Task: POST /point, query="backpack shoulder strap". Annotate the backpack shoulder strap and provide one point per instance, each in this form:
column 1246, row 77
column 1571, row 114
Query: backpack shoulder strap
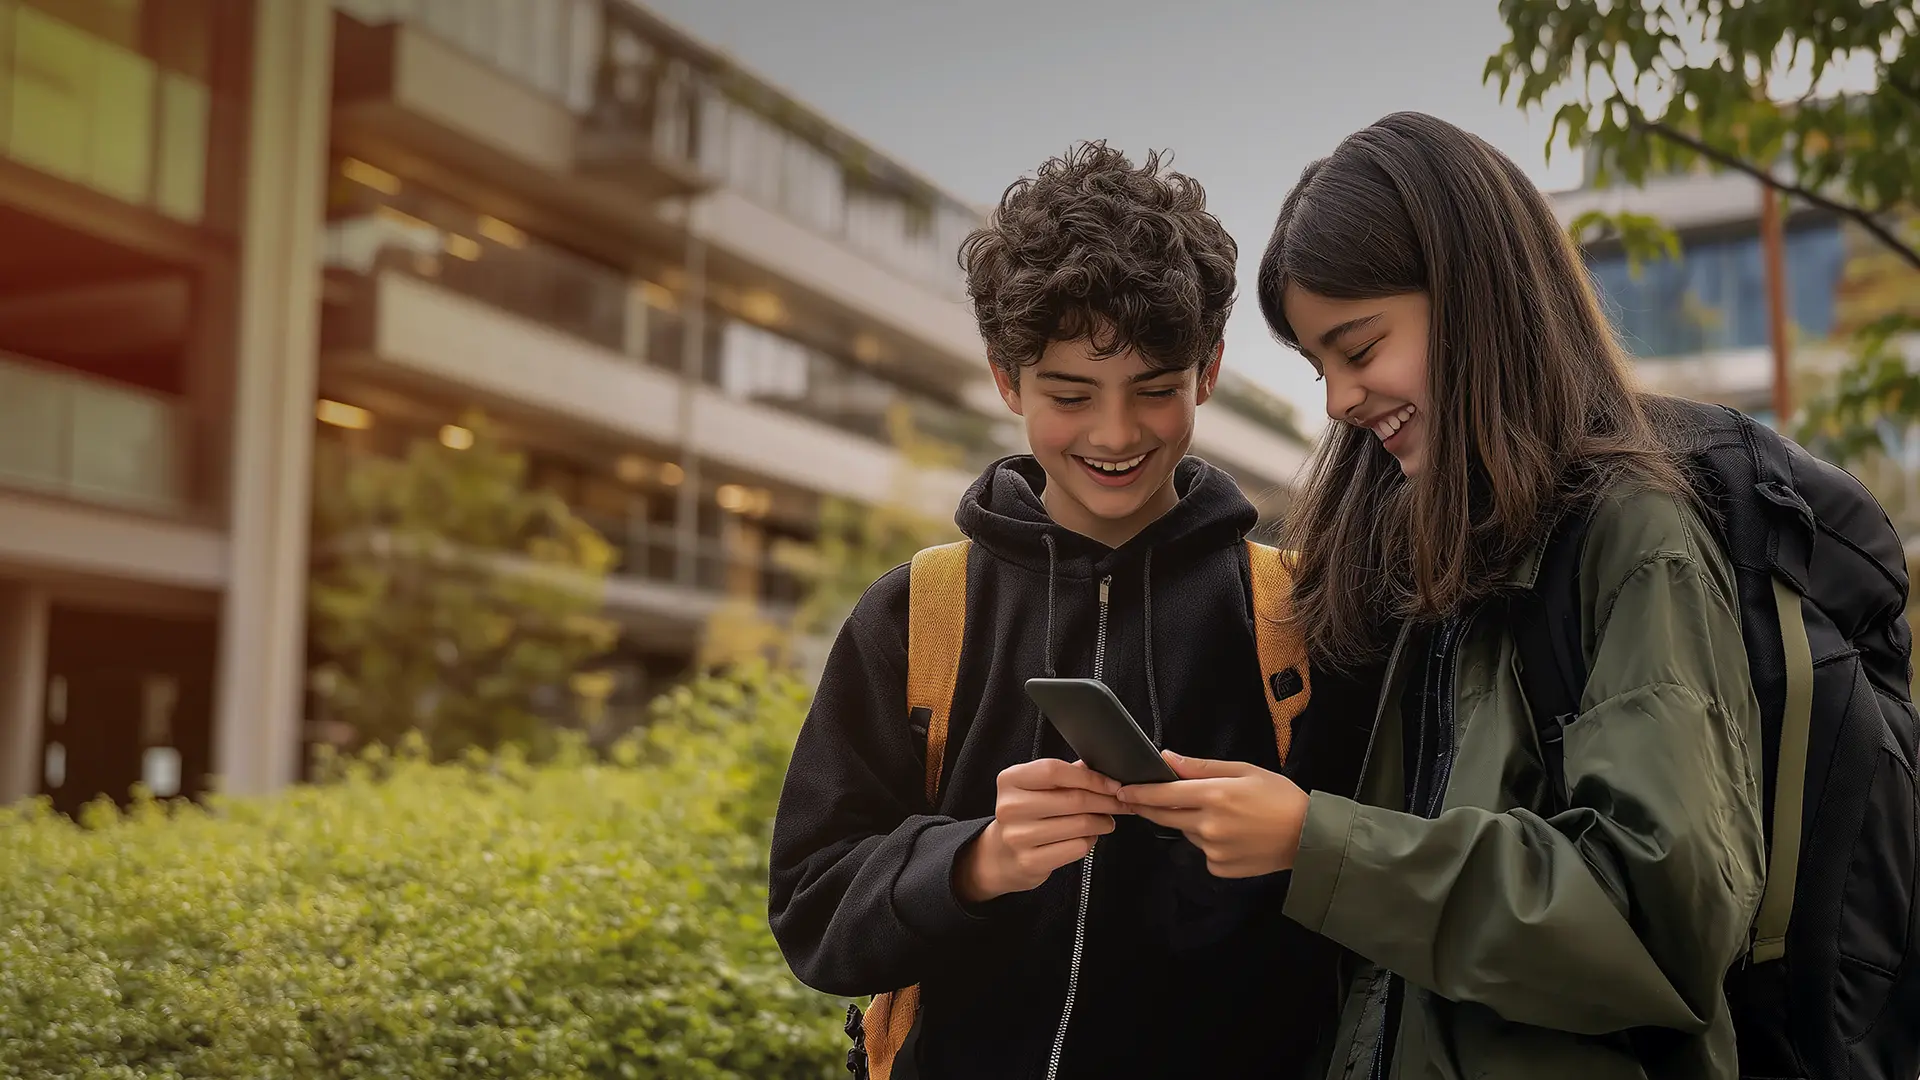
column 1553, row 666
column 936, row 625
column 1789, row 794
column 1281, row 646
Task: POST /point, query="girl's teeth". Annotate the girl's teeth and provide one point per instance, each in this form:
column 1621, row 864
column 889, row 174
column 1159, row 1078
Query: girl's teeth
column 1390, row 426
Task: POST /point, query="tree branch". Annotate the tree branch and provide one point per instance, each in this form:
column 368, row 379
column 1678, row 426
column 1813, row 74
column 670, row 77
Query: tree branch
column 1859, row 215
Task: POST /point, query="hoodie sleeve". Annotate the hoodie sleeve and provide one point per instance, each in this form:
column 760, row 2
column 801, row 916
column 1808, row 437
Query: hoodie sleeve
column 860, row 891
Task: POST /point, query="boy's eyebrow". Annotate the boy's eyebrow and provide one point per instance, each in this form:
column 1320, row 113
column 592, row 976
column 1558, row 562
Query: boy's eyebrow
column 1088, row 380
column 1346, row 328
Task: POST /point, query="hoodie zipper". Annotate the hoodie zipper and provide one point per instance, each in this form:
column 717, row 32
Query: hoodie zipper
column 1086, row 867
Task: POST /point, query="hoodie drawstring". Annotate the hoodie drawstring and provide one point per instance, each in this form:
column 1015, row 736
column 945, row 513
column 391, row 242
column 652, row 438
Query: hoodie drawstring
column 1046, row 656
column 1146, row 602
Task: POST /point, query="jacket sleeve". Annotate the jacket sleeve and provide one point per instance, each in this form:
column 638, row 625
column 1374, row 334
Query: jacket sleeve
column 1627, row 909
column 860, row 893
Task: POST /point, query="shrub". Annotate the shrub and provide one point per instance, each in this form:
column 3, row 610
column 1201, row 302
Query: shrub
column 490, row 918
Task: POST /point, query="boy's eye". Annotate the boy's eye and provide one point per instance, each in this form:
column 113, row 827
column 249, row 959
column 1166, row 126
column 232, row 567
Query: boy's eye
column 1069, row 402
column 1160, row 392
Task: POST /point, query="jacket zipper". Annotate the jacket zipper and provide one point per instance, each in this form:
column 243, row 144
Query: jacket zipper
column 1449, row 636
column 1086, row 869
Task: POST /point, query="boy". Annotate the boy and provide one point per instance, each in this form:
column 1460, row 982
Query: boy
column 1101, row 291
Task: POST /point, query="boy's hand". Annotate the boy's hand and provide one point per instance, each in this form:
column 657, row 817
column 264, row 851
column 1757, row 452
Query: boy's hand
column 1047, row 814
column 1244, row 819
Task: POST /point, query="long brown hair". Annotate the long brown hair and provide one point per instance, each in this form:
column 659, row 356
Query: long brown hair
column 1531, row 410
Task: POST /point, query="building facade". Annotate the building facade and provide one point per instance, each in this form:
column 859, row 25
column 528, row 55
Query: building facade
column 1697, row 325
column 236, row 227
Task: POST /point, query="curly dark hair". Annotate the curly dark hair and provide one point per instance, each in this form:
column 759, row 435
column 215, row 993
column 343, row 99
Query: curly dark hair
column 1091, row 247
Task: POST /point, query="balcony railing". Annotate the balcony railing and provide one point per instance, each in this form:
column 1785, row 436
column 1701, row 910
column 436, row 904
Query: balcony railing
column 490, row 261
column 653, row 553
column 93, row 102
column 88, row 439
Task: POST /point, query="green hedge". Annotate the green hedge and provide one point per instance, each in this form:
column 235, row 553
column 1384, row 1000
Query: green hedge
column 484, row 919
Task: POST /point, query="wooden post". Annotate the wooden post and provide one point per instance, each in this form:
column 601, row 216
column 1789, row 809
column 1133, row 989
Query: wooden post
column 1771, row 249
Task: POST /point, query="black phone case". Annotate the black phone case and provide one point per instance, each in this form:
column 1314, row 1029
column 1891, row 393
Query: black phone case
column 1100, row 730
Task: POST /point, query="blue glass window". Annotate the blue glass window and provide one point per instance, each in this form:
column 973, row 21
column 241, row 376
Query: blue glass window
column 1714, row 297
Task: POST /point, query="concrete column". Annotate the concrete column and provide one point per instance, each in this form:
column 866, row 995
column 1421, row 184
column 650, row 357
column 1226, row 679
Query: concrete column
column 693, row 358
column 23, row 684
column 258, row 711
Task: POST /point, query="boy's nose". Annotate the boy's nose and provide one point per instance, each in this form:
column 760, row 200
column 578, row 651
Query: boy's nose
column 1117, row 430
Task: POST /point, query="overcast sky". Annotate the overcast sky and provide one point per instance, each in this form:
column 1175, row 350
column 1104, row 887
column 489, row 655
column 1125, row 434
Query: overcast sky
column 973, row 93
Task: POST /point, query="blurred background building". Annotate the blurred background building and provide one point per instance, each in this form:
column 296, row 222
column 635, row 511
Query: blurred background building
column 233, row 227
column 1697, row 325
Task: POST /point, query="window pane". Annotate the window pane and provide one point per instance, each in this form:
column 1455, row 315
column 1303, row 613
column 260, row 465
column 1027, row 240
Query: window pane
column 121, row 134
column 53, row 66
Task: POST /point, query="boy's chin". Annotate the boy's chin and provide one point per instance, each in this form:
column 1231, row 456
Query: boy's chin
column 1117, row 504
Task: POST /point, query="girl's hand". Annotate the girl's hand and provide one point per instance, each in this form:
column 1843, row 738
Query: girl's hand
column 1244, row 819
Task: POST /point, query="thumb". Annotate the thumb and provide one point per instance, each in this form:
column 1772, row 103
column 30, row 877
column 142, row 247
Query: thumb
column 1204, row 768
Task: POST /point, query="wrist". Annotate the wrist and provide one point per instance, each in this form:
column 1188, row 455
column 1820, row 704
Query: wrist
column 973, row 879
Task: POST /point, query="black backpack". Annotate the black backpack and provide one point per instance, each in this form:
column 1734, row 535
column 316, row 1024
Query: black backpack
column 1831, row 985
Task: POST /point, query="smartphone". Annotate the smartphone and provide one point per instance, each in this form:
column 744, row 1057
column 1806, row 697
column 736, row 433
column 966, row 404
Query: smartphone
column 1100, row 730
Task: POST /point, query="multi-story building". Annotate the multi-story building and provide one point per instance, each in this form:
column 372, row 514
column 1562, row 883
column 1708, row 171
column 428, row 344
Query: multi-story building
column 157, row 161
column 1698, row 325
column 233, row 226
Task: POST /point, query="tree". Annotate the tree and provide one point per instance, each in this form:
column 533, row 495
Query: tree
column 1652, row 89
column 449, row 597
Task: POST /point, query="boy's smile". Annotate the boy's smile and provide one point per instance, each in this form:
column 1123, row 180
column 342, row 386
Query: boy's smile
column 1109, row 432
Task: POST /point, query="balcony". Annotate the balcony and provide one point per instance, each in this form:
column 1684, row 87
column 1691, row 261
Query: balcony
column 647, row 578
column 599, row 122
column 524, row 327
column 90, row 440
column 100, row 450
column 123, row 112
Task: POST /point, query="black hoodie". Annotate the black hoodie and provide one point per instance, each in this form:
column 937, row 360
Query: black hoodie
column 1182, row 973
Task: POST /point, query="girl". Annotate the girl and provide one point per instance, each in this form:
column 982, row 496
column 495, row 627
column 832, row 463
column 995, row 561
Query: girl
column 1479, row 398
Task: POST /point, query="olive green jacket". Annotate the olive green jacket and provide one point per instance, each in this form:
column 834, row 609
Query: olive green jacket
column 1592, row 943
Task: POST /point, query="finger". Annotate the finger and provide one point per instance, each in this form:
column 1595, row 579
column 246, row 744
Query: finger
column 1186, row 820
column 1043, row 773
column 1038, row 834
column 1057, row 802
column 1182, row 793
column 1205, row 768
column 1055, row 856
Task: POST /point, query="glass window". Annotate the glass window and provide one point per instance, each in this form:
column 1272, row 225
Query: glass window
column 113, row 95
column 1714, row 296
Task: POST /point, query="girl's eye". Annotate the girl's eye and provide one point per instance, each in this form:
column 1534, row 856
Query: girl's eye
column 1364, row 352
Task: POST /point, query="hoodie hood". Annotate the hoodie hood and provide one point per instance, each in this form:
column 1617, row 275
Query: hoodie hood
column 1003, row 512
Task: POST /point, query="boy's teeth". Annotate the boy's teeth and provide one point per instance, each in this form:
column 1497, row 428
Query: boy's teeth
column 1115, row 466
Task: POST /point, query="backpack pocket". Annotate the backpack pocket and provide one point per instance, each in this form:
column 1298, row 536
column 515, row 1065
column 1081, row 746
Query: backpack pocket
column 1876, row 928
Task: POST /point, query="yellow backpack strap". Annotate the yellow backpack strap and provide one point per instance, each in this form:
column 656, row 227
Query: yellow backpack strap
column 936, row 625
column 1281, row 646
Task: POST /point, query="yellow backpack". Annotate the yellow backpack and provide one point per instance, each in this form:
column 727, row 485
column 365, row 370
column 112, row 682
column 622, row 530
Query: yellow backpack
column 936, row 625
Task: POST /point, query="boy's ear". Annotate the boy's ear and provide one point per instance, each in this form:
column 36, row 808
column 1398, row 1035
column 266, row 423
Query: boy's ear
column 1009, row 393
column 1210, row 374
